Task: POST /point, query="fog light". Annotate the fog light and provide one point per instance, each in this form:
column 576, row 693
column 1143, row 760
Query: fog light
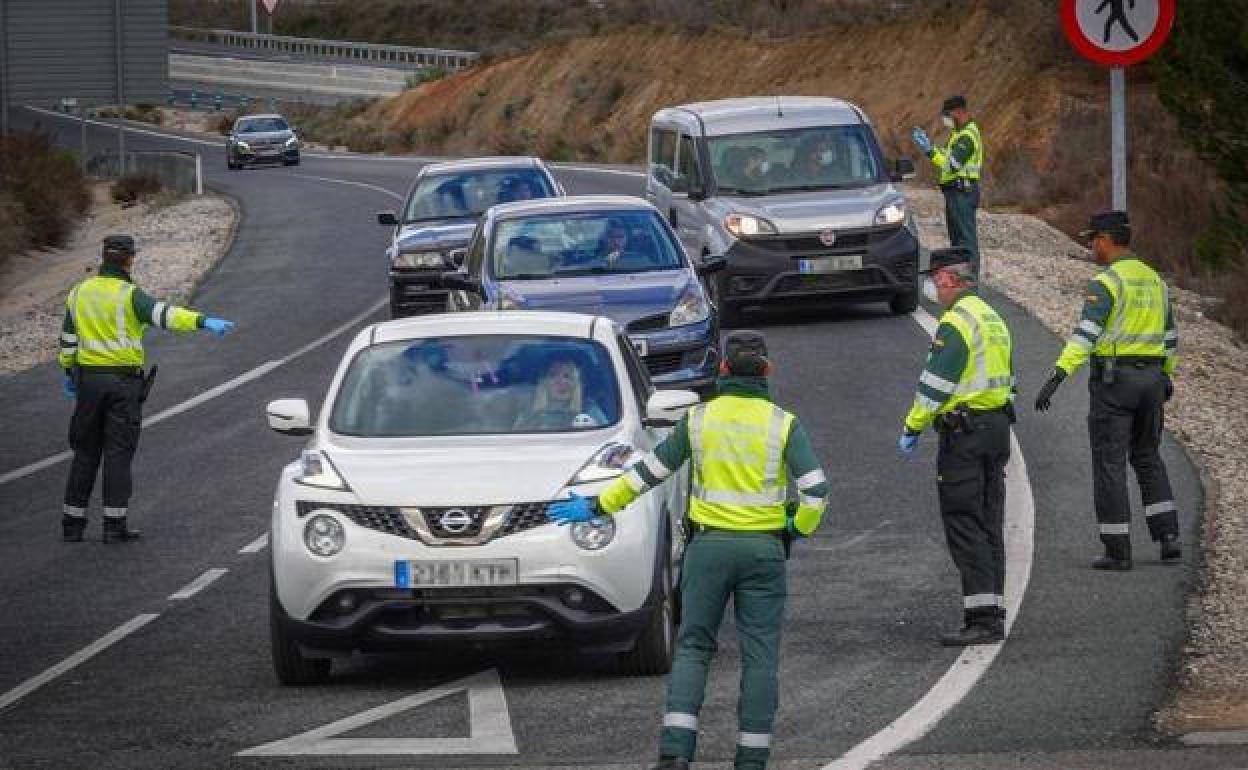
column 323, row 535
column 595, row 534
column 347, row 602
column 574, row 598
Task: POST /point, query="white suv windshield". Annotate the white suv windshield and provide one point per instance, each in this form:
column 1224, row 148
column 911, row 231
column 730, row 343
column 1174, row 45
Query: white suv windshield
column 590, row 243
column 470, row 193
column 455, row 386
column 796, row 160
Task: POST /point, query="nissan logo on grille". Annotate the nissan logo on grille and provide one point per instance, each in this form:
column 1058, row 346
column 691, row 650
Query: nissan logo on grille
column 455, row 521
column 827, row 237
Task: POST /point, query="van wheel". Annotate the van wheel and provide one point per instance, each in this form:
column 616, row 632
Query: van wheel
column 289, row 663
column 904, row 303
column 652, row 653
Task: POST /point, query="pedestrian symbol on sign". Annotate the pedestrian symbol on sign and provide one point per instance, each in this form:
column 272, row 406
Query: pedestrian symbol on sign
column 1117, row 14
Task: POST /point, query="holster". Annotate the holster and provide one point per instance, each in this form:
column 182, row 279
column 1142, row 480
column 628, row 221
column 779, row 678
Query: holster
column 148, row 381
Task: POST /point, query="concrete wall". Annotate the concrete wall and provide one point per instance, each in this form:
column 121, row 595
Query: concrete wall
column 51, row 49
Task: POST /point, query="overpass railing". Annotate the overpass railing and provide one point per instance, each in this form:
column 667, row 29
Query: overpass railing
column 376, row 54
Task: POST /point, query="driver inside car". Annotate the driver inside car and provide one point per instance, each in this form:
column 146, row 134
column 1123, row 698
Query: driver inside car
column 559, row 401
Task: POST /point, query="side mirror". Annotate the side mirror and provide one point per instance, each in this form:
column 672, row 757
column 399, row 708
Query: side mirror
column 711, row 263
column 666, row 407
column 457, row 257
column 461, row 281
column 387, row 218
column 903, row 169
column 289, row 416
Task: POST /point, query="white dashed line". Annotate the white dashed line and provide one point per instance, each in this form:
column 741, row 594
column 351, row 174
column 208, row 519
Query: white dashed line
column 83, row 655
column 198, row 584
column 257, row 545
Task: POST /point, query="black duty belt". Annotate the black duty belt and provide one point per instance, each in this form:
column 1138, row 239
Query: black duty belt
column 1139, row 362
column 965, row 185
column 120, row 371
column 701, row 528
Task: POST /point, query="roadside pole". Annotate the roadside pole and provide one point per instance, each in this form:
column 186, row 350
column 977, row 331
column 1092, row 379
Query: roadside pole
column 199, row 173
column 1118, row 134
column 255, row 28
column 119, row 53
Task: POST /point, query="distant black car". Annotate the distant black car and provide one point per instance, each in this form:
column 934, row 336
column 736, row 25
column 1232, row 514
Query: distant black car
column 261, row 139
column 442, row 209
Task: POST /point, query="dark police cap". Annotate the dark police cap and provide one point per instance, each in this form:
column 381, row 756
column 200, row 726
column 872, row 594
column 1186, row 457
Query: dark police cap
column 745, row 353
column 954, row 257
column 954, row 103
column 1107, row 222
column 118, row 244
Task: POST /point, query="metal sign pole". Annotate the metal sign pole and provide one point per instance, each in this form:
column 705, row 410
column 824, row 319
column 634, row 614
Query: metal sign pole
column 1118, row 135
column 119, row 53
column 255, row 27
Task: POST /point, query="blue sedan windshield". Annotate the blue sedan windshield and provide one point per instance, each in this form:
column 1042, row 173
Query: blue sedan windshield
column 591, row 243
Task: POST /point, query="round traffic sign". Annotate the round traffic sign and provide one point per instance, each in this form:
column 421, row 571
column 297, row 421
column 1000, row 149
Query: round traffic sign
column 1117, row 33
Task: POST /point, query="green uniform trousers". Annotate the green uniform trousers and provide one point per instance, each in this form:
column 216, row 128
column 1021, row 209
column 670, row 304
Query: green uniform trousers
column 960, row 208
column 749, row 569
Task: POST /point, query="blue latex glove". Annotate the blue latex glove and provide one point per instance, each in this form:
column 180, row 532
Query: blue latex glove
column 907, row 443
column 572, row 510
column 70, row 390
column 919, row 137
column 218, row 326
column 790, row 526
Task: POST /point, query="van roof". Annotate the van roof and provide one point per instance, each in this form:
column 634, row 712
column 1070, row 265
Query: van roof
column 761, row 113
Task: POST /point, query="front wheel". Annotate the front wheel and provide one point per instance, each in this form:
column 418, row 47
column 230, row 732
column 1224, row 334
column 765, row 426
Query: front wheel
column 652, row 653
column 904, row 303
column 289, row 663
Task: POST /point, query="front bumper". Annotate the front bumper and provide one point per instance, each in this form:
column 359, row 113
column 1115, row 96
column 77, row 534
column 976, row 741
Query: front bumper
column 766, row 269
column 680, row 357
column 416, row 292
column 263, row 156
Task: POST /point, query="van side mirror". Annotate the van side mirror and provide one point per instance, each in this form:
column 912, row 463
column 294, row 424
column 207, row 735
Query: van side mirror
column 711, row 263
column 665, row 407
column 289, row 416
column 457, row 257
column 903, row 169
column 387, row 218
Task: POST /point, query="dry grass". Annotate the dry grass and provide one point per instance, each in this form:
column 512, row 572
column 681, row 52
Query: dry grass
column 42, row 193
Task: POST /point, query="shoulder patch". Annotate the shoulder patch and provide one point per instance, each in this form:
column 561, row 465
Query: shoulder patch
column 1092, row 299
column 937, row 343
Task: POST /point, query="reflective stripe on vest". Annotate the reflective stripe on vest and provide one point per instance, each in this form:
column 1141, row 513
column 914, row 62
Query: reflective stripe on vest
column 1137, row 321
column 981, row 381
column 108, row 331
column 987, row 379
column 974, row 165
column 738, row 462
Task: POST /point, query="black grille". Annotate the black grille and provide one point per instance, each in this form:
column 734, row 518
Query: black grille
column 649, row 323
column 848, row 279
column 525, row 516
column 847, row 241
column 663, row 363
column 381, row 518
column 455, row 522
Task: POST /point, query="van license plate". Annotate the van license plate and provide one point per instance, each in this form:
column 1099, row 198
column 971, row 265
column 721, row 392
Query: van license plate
column 450, row 574
column 829, row 264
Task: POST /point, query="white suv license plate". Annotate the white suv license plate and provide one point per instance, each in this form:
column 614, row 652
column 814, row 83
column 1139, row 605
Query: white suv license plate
column 451, row 574
column 829, row 264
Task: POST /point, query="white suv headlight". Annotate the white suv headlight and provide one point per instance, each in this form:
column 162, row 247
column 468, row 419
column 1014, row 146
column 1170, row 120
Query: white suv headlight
column 324, row 535
column 595, row 534
column 746, row 225
column 315, row 470
column 419, row 259
column 607, row 463
column 893, row 213
column 691, row 308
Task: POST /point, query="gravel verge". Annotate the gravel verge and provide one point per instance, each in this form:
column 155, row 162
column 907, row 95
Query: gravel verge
column 178, row 242
column 1044, row 271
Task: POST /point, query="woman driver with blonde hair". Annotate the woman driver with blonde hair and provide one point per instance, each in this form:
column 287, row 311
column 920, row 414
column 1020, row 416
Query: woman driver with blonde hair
column 559, row 400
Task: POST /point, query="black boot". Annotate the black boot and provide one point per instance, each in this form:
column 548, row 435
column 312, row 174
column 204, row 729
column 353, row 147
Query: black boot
column 672, row 763
column 1170, row 549
column 986, row 631
column 116, row 531
column 1112, row 563
column 72, row 528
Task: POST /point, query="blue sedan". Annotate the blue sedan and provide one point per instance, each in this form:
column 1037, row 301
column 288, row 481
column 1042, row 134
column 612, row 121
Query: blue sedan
column 613, row 256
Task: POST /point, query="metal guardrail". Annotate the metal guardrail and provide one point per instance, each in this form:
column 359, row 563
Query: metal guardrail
column 339, row 50
column 179, row 171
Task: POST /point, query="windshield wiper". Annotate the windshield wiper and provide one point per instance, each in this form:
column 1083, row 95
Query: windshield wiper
column 745, row 193
column 814, row 187
column 526, row 277
column 435, row 219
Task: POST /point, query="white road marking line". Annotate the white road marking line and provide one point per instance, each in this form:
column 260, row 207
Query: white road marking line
column 489, row 727
column 365, row 185
column 198, row 584
column 83, row 655
column 974, row 662
column 257, row 545
column 212, row 393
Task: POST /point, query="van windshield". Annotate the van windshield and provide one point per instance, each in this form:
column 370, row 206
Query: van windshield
column 794, row 160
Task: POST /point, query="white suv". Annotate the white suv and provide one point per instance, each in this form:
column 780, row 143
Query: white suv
column 417, row 513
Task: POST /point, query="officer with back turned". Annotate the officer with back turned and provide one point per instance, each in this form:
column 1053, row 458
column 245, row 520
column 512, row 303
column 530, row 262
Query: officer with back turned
column 967, row 391
column 744, row 451
column 101, row 351
column 1128, row 331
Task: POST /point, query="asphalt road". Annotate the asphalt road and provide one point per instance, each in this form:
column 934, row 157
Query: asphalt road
column 1090, row 657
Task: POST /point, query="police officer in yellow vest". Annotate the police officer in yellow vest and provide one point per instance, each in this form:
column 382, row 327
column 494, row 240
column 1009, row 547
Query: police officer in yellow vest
column 1128, row 332
column 967, row 391
column 101, row 351
column 959, row 165
column 744, row 450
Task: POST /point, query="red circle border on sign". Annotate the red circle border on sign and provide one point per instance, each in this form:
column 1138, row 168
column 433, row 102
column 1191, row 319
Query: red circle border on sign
column 1092, row 51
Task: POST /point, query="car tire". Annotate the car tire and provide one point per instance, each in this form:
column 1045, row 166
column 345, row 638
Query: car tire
column 729, row 314
column 289, row 663
column 294, row 162
column 905, row 303
column 652, row 652
column 232, row 166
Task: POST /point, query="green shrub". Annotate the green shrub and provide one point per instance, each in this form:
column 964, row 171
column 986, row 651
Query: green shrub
column 42, row 191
